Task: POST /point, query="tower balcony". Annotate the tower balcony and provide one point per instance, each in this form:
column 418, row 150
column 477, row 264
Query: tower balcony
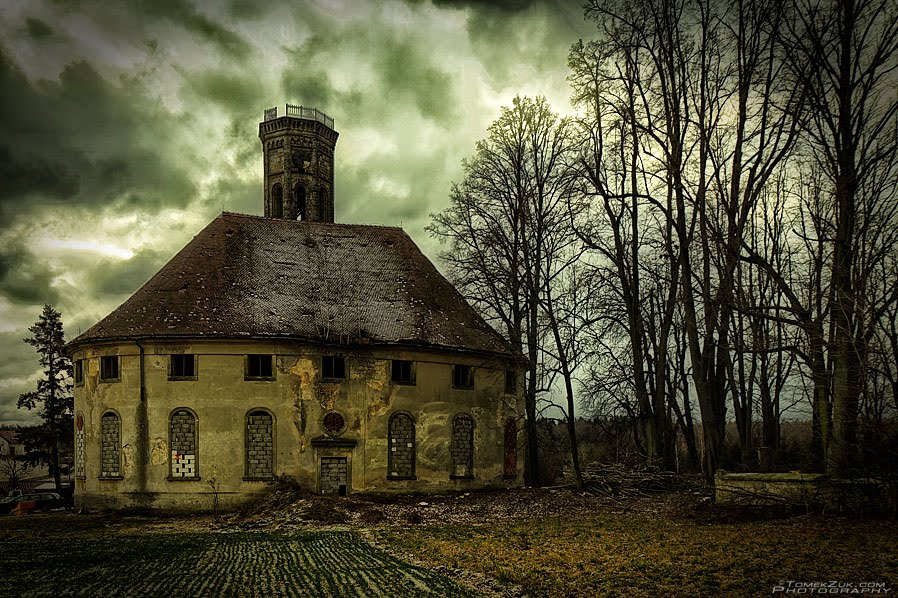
column 301, row 112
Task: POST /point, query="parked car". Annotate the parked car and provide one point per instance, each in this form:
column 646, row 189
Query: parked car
column 44, row 501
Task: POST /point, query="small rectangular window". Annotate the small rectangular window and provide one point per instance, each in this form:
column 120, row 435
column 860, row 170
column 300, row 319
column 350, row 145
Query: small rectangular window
column 511, row 382
column 182, row 367
column 259, row 366
column 403, row 371
column 109, row 368
column 333, row 368
column 79, row 372
column 462, row 376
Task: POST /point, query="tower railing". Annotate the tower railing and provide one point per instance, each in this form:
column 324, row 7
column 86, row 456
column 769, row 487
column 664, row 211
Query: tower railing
column 303, row 113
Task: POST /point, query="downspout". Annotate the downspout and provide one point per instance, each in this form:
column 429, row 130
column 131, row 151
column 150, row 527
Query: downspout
column 143, row 429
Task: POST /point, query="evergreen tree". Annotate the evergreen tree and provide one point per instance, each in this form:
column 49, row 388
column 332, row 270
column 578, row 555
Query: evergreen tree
column 53, row 396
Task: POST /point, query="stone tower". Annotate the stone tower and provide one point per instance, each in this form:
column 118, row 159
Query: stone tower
column 298, row 155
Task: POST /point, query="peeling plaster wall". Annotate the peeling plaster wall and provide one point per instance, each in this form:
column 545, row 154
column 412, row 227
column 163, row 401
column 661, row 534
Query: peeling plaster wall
column 298, row 399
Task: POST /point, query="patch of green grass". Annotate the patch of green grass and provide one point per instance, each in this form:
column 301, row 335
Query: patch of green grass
column 644, row 556
column 315, row 563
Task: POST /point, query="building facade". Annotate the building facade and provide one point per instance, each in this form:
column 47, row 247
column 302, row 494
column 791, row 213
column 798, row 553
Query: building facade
column 289, row 346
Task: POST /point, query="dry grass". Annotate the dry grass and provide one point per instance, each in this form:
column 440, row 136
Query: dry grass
column 639, row 554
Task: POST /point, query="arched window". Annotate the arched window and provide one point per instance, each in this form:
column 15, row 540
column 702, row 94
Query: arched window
column 401, row 458
column 110, row 446
column 277, row 201
column 299, row 201
column 462, row 446
column 259, row 445
column 183, row 442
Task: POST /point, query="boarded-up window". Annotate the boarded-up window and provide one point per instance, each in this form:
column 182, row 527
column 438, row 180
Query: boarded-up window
column 510, row 469
column 259, row 445
column 183, row 445
column 79, row 446
column 110, row 446
column 402, row 447
column 462, row 446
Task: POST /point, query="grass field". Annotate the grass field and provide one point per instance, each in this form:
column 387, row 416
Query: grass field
column 639, row 555
column 60, row 555
column 548, row 543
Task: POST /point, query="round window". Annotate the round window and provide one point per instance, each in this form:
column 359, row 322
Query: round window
column 334, row 423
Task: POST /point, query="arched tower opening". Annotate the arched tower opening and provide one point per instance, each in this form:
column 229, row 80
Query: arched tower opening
column 298, row 158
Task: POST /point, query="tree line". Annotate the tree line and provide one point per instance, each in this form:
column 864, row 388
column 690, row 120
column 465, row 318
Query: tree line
column 712, row 237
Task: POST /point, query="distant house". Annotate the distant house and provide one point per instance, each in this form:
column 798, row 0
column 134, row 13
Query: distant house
column 293, row 346
column 10, row 446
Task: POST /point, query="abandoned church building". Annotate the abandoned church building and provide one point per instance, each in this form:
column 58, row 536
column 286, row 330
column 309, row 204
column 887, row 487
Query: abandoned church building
column 291, row 346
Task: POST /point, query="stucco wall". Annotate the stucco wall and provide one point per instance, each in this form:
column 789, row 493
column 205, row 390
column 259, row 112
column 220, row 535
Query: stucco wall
column 298, row 399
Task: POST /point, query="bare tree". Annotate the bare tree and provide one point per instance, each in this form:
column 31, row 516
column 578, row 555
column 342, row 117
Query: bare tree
column 499, row 225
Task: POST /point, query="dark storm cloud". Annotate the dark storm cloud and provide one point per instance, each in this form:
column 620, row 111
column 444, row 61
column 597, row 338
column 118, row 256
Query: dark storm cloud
column 405, row 75
column 25, row 279
column 37, row 29
column 504, row 5
column 85, row 141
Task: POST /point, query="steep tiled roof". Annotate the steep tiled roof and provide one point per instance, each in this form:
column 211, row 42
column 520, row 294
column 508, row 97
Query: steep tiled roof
column 252, row 277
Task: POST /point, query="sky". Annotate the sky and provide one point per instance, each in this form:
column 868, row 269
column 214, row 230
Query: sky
column 126, row 127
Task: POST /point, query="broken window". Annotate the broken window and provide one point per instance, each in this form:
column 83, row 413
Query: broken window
column 333, row 368
column 110, row 445
column 182, row 367
column 259, row 367
column 403, row 371
column 109, row 368
column 401, row 458
column 79, row 372
column 511, row 382
column 462, row 376
column 462, row 446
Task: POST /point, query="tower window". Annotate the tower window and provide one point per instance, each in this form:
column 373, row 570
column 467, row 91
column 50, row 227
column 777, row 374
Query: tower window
column 182, row 367
column 299, row 200
column 259, row 367
column 462, row 376
column 277, row 201
column 109, row 368
column 403, row 371
column 333, row 368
